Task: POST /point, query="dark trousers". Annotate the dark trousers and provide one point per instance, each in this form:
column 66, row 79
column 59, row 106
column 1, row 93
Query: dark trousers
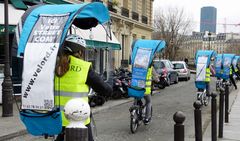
column 233, row 81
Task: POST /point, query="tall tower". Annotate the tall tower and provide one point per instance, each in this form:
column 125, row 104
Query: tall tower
column 208, row 19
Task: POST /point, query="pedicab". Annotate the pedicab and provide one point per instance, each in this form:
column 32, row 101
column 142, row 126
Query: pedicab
column 41, row 36
column 143, row 52
column 202, row 60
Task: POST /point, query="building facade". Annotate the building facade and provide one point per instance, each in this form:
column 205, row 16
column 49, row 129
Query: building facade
column 208, row 19
column 221, row 43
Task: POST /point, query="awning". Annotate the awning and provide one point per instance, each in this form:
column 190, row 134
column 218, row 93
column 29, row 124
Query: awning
column 14, row 15
column 97, row 38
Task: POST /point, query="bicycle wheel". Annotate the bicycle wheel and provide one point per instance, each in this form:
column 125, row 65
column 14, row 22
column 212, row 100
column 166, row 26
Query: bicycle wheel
column 206, row 99
column 134, row 121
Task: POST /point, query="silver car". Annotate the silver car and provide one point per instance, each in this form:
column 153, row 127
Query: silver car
column 182, row 69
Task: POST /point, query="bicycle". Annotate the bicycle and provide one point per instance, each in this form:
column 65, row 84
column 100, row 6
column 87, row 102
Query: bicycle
column 202, row 97
column 137, row 114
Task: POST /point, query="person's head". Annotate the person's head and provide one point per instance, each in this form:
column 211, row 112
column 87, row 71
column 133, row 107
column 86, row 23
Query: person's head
column 74, row 45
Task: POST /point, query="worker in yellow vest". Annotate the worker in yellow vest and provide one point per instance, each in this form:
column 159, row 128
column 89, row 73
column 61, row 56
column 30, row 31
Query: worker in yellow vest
column 73, row 78
column 231, row 76
column 151, row 74
column 209, row 70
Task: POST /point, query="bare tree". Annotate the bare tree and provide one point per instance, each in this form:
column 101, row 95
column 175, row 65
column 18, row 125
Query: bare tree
column 171, row 25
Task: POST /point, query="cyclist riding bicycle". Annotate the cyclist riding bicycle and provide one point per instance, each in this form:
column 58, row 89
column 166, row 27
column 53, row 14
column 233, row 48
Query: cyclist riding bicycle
column 210, row 70
column 151, row 76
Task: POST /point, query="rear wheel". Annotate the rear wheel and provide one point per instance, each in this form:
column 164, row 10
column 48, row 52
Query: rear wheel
column 134, row 121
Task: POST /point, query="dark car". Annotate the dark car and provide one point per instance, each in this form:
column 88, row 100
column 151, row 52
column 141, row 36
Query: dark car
column 165, row 68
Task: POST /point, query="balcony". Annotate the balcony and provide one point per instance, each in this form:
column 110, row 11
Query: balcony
column 125, row 12
column 144, row 19
column 111, row 7
column 135, row 16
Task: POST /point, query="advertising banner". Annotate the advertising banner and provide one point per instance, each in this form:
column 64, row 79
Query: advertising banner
column 39, row 62
column 140, row 67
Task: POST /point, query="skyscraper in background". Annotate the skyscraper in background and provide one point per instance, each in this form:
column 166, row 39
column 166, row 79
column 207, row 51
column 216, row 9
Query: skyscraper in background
column 208, row 19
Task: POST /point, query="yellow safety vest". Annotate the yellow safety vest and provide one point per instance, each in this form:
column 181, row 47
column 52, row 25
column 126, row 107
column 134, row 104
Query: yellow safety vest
column 230, row 70
column 208, row 75
column 72, row 85
column 148, row 81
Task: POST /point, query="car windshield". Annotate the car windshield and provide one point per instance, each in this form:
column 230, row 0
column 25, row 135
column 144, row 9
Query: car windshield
column 178, row 66
column 158, row 65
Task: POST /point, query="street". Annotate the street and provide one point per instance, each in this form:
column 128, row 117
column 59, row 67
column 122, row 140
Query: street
column 113, row 124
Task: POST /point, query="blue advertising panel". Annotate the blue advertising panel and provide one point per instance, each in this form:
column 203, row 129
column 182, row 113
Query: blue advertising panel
column 227, row 62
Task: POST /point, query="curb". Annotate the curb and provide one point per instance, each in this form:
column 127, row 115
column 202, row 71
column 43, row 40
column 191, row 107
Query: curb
column 13, row 135
column 95, row 110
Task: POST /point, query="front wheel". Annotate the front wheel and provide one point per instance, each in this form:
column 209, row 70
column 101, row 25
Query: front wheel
column 134, row 121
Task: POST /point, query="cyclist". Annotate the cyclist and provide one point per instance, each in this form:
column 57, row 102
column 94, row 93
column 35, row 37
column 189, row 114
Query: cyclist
column 233, row 71
column 73, row 78
column 209, row 70
column 151, row 74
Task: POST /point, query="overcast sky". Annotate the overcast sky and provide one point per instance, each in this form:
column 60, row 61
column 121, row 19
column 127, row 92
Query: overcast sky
column 226, row 9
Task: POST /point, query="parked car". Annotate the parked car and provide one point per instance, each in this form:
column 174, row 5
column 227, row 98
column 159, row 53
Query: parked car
column 165, row 68
column 182, row 69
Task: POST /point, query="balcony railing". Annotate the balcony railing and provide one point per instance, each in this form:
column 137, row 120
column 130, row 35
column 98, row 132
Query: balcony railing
column 135, row 16
column 125, row 12
column 144, row 19
column 111, row 8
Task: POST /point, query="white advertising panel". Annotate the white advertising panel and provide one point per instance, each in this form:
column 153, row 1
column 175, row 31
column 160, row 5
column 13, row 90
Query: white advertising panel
column 39, row 62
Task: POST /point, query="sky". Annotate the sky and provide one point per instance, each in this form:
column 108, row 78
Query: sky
column 228, row 11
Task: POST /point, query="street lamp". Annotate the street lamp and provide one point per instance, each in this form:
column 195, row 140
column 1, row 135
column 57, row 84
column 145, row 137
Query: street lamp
column 209, row 39
column 7, row 90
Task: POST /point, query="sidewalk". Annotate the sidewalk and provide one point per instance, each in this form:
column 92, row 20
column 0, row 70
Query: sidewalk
column 231, row 130
column 11, row 127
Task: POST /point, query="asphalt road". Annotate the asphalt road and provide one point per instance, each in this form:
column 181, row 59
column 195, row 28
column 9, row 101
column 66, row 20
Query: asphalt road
column 114, row 124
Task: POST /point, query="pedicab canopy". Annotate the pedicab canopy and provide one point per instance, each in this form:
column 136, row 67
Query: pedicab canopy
column 143, row 52
column 202, row 61
column 218, row 65
column 42, row 34
column 226, row 64
column 235, row 62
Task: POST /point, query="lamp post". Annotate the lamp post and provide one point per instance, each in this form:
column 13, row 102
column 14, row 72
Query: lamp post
column 209, row 39
column 7, row 90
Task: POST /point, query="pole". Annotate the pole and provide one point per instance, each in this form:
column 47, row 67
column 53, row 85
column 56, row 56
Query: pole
column 179, row 118
column 221, row 105
column 227, row 104
column 198, row 120
column 214, row 117
column 7, row 90
column 209, row 38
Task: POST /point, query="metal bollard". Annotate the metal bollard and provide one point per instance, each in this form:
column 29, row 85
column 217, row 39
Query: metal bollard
column 198, row 120
column 221, row 105
column 227, row 104
column 179, row 118
column 214, row 116
column 76, row 134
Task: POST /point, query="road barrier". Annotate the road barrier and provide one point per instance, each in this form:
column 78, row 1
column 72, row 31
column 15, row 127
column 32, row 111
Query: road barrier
column 179, row 118
column 198, row 120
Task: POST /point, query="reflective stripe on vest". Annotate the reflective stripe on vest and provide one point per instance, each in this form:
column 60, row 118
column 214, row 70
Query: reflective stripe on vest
column 207, row 79
column 148, row 81
column 72, row 85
